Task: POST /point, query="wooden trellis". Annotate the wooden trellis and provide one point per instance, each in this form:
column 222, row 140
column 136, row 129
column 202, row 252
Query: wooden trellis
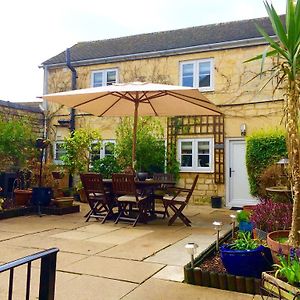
column 178, row 127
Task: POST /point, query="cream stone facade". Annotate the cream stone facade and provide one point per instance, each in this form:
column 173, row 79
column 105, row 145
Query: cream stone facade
column 234, row 91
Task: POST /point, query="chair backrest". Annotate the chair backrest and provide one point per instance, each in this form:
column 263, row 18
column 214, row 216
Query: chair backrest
column 123, row 184
column 192, row 189
column 163, row 176
column 92, row 183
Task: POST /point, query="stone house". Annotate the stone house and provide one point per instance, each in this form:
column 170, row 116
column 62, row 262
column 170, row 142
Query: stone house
column 210, row 58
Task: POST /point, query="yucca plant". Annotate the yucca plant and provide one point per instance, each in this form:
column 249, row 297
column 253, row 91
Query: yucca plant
column 285, row 47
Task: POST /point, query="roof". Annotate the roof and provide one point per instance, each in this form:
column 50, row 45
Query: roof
column 171, row 42
column 27, row 106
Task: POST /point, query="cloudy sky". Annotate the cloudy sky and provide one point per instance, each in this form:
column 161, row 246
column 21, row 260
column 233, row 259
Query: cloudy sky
column 34, row 30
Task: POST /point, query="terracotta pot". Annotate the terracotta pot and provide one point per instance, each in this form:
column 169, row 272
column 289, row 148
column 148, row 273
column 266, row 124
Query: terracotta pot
column 22, row 197
column 82, row 195
column 277, row 247
column 63, row 201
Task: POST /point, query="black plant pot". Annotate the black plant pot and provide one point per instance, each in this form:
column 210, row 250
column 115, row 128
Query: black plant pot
column 41, row 196
column 216, row 201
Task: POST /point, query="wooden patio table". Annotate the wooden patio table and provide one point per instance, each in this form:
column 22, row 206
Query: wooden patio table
column 147, row 187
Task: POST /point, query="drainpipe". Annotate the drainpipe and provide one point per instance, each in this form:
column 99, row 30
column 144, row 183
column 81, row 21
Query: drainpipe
column 72, row 111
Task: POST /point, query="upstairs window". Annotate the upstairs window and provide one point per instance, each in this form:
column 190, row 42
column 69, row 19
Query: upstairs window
column 104, row 77
column 197, row 74
column 196, row 155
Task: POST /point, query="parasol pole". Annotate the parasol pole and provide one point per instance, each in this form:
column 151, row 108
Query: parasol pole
column 135, row 120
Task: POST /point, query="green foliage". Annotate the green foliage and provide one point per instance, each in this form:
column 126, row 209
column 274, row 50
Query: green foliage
column 243, row 216
column 150, row 148
column 173, row 165
column 264, row 148
column 17, row 140
column 106, row 166
column 244, row 242
column 289, row 267
column 77, row 146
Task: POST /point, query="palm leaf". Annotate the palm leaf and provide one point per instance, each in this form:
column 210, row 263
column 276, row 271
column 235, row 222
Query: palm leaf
column 258, row 57
column 277, row 24
column 272, row 43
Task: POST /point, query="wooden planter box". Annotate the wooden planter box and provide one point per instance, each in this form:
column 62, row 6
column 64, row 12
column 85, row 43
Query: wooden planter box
column 15, row 212
column 276, row 287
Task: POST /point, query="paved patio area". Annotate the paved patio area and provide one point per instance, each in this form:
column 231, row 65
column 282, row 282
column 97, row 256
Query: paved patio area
column 108, row 261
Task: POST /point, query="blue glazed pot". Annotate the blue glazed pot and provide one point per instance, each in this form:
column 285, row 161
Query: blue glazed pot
column 245, row 226
column 248, row 263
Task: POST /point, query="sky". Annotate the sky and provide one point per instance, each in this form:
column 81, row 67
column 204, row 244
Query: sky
column 33, row 31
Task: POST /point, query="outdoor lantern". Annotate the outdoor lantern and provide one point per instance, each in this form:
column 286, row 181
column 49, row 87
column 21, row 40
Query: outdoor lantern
column 243, row 129
column 233, row 218
column 218, row 227
column 191, row 249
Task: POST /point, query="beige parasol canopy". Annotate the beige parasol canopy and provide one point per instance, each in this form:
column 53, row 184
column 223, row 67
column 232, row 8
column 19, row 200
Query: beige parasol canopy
column 137, row 99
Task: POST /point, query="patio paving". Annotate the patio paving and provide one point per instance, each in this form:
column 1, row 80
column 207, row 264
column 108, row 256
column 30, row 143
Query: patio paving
column 108, row 261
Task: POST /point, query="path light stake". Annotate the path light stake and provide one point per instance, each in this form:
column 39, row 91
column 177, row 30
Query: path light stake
column 218, row 228
column 191, row 249
column 233, row 218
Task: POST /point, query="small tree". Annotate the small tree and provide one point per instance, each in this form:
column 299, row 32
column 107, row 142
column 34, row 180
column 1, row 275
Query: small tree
column 17, row 140
column 150, row 148
column 78, row 146
column 286, row 48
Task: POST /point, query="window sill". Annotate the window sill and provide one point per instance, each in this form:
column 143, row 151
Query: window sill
column 196, row 171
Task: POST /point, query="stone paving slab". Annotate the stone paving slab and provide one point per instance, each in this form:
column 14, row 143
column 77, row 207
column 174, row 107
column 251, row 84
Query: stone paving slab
column 97, row 227
column 145, row 246
column 126, row 270
column 74, row 235
column 86, row 287
column 4, row 235
column 176, row 254
column 120, row 236
column 156, row 289
column 172, row 273
column 20, row 282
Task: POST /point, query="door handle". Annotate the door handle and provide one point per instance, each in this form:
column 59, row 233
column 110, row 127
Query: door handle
column 230, row 172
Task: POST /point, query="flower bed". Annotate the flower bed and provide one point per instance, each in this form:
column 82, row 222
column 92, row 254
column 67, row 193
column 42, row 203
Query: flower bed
column 209, row 272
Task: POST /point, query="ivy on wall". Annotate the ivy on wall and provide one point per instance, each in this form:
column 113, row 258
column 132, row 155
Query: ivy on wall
column 263, row 149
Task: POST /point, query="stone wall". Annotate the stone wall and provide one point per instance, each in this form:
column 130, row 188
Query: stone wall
column 30, row 111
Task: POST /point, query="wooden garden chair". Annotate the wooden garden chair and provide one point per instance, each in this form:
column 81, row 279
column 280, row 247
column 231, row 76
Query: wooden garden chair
column 127, row 197
column 178, row 201
column 100, row 201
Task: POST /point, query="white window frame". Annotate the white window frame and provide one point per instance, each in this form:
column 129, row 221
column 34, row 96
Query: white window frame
column 195, row 64
column 194, row 167
column 104, row 72
column 102, row 150
column 57, row 161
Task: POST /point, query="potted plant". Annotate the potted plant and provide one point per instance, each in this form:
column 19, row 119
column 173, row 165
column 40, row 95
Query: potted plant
column 77, row 156
column 22, row 191
column 245, row 256
column 243, row 218
column 270, row 216
column 285, row 282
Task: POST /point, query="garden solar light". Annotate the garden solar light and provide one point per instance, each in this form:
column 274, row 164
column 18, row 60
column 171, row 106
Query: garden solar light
column 191, row 249
column 218, row 228
column 233, row 218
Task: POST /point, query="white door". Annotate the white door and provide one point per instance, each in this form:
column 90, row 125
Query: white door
column 238, row 191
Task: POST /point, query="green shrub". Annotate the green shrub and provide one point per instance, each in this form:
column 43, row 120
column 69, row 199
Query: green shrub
column 17, row 140
column 264, row 148
column 77, row 146
column 150, row 147
column 106, row 166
